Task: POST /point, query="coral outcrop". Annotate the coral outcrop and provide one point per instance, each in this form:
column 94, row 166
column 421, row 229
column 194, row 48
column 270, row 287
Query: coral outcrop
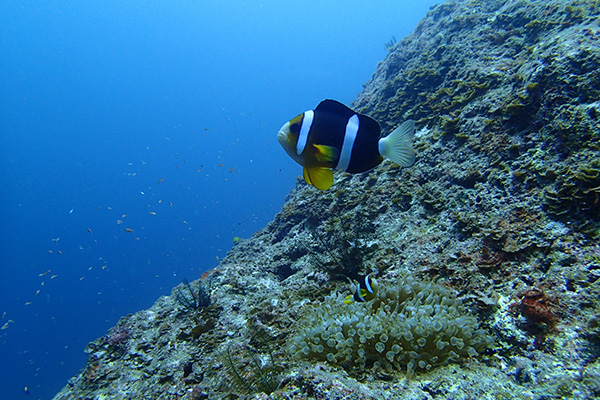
column 500, row 208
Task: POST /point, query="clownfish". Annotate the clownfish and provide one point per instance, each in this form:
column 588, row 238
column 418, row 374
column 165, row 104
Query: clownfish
column 362, row 291
column 332, row 136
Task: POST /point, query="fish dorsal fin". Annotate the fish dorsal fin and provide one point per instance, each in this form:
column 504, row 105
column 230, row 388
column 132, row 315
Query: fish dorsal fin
column 319, row 177
column 325, row 153
column 335, row 107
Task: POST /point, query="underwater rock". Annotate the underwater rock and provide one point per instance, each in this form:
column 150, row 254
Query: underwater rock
column 500, row 206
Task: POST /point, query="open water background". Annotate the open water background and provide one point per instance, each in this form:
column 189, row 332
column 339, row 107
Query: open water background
column 138, row 138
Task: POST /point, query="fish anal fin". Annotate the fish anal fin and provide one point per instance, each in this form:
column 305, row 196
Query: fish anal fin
column 319, row 177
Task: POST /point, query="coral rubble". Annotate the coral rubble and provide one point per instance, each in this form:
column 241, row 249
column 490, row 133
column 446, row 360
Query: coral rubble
column 501, row 210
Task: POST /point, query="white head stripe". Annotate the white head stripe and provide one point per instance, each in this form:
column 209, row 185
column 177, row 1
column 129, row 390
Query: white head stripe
column 348, row 145
column 304, row 130
column 357, row 292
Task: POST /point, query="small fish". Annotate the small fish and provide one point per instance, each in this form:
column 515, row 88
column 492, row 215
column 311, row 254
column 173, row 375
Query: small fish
column 56, row 240
column 362, row 291
column 128, row 230
column 89, row 230
column 332, row 136
column 6, row 324
column 152, row 213
column 231, row 169
column 160, row 180
column 71, row 211
column 119, row 222
column 46, row 272
column 26, row 390
column 53, row 276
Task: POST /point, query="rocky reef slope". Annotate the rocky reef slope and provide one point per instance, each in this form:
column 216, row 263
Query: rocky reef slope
column 486, row 250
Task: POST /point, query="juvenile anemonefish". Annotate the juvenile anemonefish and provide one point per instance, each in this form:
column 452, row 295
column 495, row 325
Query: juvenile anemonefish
column 332, row 136
column 363, row 293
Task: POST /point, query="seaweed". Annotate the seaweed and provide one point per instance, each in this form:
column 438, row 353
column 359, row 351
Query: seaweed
column 389, row 46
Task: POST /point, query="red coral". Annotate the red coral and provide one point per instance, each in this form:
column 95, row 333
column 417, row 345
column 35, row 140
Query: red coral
column 536, row 308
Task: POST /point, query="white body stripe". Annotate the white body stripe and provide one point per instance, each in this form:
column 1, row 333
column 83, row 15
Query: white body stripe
column 348, row 145
column 368, row 284
column 304, row 130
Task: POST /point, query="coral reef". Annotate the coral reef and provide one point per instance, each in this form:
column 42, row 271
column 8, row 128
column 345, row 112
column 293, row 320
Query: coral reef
column 500, row 210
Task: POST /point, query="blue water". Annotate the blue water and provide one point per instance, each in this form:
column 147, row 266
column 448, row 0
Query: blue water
column 162, row 115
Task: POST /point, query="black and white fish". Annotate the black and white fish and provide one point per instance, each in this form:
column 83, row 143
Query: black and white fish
column 362, row 291
column 333, row 136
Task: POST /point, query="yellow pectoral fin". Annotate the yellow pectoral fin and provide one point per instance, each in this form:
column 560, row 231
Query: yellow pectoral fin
column 319, row 177
column 365, row 294
column 325, row 154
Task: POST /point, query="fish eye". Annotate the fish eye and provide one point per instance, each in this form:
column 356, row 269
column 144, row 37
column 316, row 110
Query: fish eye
column 295, row 128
